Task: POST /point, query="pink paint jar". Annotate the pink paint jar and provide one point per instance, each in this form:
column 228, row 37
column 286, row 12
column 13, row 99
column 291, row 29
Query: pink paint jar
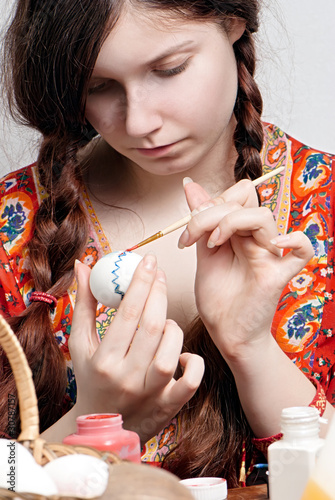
column 104, row 432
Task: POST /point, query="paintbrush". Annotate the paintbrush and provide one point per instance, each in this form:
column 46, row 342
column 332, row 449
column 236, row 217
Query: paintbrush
column 185, row 220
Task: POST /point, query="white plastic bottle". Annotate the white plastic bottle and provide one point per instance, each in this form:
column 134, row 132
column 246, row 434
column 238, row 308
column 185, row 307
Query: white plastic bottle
column 321, row 484
column 293, row 458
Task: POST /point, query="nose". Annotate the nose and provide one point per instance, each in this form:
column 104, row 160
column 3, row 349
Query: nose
column 142, row 115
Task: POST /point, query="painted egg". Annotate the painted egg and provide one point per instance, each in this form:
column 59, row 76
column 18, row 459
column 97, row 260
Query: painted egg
column 111, row 276
column 79, row 475
column 19, row 471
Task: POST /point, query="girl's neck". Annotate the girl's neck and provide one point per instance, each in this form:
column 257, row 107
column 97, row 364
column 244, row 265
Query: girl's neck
column 132, row 204
column 114, row 179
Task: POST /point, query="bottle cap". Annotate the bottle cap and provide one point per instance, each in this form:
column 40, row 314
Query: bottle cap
column 207, row 488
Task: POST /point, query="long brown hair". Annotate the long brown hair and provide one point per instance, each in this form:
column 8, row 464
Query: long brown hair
column 215, row 432
column 51, row 48
column 50, row 51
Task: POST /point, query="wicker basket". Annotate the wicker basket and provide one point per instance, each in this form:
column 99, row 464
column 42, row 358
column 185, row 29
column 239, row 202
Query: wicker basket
column 127, row 480
column 42, row 451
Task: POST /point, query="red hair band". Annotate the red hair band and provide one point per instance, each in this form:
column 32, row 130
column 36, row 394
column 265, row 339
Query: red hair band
column 43, row 297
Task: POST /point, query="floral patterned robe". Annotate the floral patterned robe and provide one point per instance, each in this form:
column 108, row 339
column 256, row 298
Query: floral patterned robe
column 301, row 198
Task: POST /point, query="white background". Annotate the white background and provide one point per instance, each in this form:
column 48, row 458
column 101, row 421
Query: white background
column 296, row 74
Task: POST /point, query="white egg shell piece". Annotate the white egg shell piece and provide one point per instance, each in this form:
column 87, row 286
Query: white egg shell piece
column 111, row 276
column 19, row 471
column 79, row 475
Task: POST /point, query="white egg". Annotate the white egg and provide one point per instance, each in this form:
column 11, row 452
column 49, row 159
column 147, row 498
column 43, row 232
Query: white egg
column 79, row 475
column 111, row 276
column 19, row 471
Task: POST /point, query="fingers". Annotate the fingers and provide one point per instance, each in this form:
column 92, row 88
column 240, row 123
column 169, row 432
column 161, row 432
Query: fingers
column 204, row 222
column 222, row 222
column 240, row 195
column 257, row 222
column 122, row 329
column 151, row 326
column 301, row 252
column 165, row 362
column 185, row 387
column 243, row 193
column 83, row 339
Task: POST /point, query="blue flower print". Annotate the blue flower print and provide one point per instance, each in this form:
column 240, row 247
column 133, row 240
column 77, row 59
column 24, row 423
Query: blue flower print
column 311, row 170
column 297, row 324
column 15, row 221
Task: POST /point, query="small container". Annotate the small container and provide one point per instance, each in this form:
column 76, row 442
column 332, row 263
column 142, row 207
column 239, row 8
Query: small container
column 293, row 458
column 207, row 488
column 105, row 432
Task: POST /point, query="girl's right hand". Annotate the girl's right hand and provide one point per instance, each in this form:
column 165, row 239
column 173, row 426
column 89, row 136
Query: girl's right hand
column 131, row 371
column 241, row 270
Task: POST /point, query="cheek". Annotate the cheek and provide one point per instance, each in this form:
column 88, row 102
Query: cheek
column 221, row 91
column 207, row 107
column 223, row 99
column 207, row 102
column 105, row 115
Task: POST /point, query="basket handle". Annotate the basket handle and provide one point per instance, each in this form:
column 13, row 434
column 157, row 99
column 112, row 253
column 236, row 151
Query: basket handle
column 24, row 382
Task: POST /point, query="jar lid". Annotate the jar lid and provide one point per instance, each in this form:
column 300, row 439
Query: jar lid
column 207, row 488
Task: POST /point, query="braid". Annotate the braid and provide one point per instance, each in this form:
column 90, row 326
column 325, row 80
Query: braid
column 60, row 236
column 50, row 52
column 248, row 135
column 60, row 223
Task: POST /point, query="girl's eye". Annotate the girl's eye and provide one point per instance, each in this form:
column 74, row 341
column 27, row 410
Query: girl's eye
column 98, row 88
column 161, row 72
column 172, row 71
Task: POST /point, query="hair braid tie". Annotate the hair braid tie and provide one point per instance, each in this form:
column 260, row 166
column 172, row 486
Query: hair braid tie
column 44, row 297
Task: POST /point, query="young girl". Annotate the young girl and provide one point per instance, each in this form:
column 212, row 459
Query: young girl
column 132, row 97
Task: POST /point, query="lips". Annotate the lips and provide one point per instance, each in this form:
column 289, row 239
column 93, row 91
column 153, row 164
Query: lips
column 156, row 152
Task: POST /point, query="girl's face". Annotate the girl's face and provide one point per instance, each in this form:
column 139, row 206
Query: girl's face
column 162, row 93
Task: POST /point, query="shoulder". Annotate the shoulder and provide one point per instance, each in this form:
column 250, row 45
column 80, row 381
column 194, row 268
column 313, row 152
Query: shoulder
column 302, row 197
column 23, row 180
column 274, row 135
column 21, row 195
column 309, row 166
column 308, row 172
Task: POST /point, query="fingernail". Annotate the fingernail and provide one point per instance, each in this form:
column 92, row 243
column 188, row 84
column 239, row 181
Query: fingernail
column 203, row 207
column 149, row 262
column 183, row 239
column 280, row 239
column 187, row 180
column 161, row 276
column 214, row 238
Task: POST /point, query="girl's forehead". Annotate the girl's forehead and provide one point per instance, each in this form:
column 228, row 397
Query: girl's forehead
column 152, row 10
column 168, row 17
column 164, row 18
column 140, row 35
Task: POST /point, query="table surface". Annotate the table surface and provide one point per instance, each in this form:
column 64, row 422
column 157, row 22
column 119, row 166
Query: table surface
column 250, row 493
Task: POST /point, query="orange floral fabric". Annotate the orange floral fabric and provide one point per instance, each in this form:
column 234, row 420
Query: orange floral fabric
column 301, row 198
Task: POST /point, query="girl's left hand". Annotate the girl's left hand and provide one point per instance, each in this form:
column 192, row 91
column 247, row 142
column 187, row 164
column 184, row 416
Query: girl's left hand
column 240, row 271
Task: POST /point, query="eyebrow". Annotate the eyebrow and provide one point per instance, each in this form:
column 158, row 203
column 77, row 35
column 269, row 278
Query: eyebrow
column 172, row 50
column 163, row 55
